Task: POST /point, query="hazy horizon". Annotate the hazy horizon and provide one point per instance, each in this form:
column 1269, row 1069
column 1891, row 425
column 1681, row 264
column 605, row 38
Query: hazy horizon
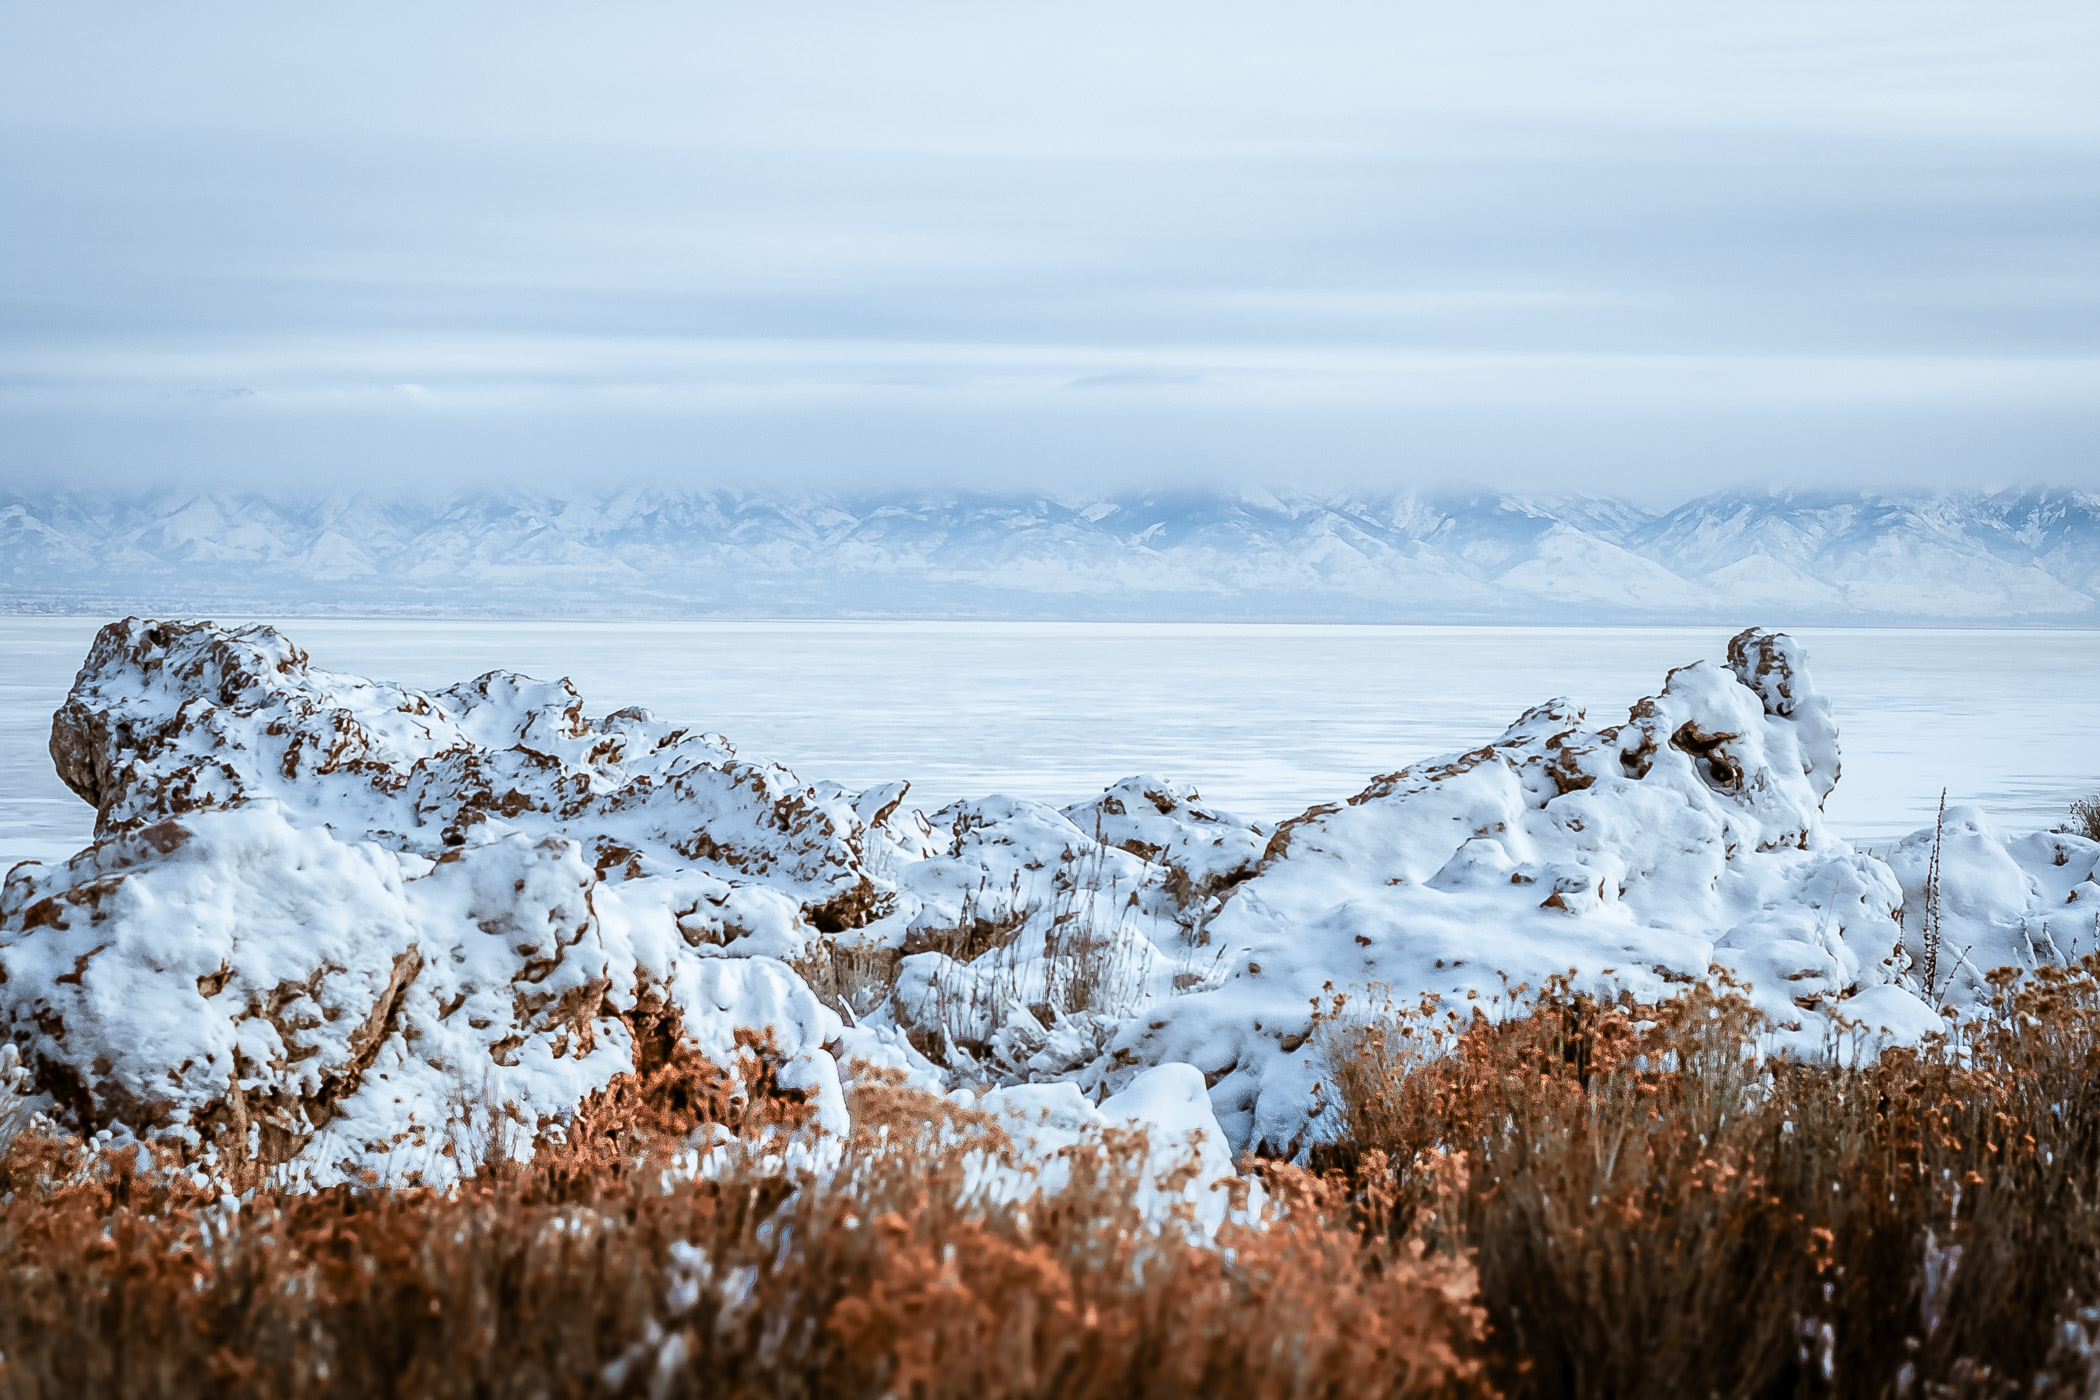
column 1654, row 501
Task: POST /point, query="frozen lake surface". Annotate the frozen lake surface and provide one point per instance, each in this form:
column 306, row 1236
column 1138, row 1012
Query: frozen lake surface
column 1265, row 720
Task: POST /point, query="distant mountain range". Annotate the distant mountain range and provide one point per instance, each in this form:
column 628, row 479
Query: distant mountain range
column 2029, row 558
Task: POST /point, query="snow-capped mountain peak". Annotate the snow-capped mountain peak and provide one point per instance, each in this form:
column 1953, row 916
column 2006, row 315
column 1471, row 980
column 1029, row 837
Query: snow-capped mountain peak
column 2028, row 557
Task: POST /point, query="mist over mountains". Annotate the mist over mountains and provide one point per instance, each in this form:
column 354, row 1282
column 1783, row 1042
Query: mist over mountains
column 2026, row 558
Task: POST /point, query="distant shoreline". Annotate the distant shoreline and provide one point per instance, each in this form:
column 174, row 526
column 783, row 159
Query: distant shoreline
column 2019, row 559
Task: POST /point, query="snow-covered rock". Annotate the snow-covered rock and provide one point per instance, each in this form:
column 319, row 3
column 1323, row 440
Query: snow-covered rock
column 1634, row 856
column 1157, row 819
column 241, row 983
column 328, row 920
column 170, row 719
column 1989, row 900
column 1186, row 1165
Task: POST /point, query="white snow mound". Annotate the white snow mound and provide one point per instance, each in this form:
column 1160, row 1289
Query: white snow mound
column 1635, row 856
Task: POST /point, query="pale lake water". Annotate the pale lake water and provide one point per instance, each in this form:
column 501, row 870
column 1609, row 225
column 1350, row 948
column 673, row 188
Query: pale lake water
column 1265, row 720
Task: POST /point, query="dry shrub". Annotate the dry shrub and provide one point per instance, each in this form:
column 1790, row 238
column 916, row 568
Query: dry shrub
column 1077, row 1295
column 852, row 977
column 1001, row 998
column 1656, row 1210
column 1089, row 953
column 613, row 1264
column 1087, row 968
column 2085, row 818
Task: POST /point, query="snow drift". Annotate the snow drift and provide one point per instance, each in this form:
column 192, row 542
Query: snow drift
column 327, row 921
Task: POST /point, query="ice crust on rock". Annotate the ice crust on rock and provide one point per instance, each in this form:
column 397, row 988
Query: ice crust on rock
column 329, row 920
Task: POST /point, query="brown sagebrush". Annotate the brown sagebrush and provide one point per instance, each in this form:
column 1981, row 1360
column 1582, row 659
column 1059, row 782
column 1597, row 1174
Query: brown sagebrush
column 617, row 1262
column 1658, row 1209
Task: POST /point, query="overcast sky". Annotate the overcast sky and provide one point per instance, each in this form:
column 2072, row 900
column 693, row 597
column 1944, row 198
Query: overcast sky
column 1653, row 249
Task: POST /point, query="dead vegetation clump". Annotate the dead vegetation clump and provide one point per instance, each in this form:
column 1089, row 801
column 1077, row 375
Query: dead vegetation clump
column 632, row 1256
column 1657, row 1209
column 1092, row 958
column 1576, row 1197
column 1038, row 990
column 853, row 977
column 2085, row 818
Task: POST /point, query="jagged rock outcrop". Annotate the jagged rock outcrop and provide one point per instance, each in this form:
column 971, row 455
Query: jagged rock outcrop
column 326, row 918
column 169, row 719
column 327, row 921
column 1633, row 856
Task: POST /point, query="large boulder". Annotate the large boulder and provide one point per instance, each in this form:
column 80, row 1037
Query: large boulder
column 1628, row 858
column 244, row 986
column 328, row 921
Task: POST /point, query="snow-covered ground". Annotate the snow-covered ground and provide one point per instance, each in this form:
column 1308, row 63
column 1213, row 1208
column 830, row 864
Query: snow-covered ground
column 328, row 919
column 1264, row 720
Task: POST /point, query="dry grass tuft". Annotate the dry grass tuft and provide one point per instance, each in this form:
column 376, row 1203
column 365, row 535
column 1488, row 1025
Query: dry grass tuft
column 2085, row 818
column 852, row 977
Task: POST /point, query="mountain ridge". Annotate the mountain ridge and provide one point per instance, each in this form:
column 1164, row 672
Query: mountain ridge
column 2019, row 558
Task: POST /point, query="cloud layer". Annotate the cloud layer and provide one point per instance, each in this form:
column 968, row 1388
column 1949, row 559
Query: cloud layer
column 1611, row 246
